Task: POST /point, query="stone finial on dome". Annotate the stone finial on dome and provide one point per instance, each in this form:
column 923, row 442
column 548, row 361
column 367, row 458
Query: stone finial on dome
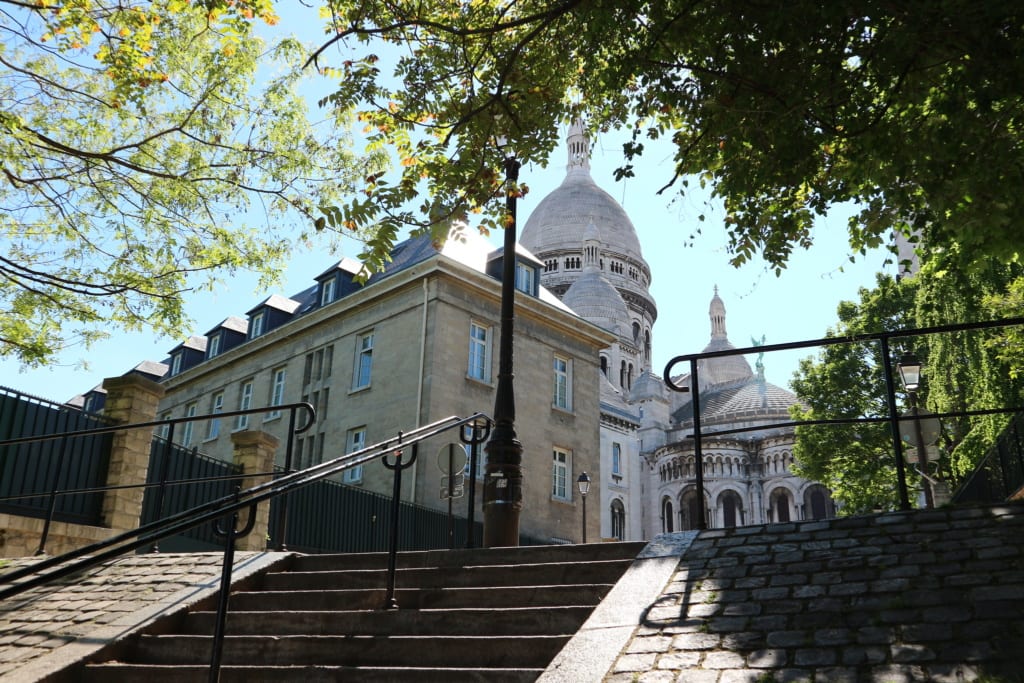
column 579, row 148
column 717, row 314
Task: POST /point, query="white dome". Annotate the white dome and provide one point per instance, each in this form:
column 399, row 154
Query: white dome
column 593, row 298
column 560, row 220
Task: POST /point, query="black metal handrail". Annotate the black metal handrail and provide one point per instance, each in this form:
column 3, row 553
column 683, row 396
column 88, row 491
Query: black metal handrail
column 50, row 569
column 169, row 424
column 893, row 418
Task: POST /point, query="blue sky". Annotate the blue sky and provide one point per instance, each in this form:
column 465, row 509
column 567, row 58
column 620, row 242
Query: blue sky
column 800, row 304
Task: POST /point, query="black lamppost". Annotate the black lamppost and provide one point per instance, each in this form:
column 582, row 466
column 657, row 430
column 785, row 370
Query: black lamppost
column 910, row 374
column 583, row 484
column 503, row 481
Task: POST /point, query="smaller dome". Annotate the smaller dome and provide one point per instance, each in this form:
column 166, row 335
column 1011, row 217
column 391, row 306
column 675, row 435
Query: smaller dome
column 594, row 299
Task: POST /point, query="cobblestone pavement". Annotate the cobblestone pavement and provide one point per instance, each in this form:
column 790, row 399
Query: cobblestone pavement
column 50, row 626
column 898, row 597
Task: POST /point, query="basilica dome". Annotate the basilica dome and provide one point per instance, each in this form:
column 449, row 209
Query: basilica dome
column 559, row 221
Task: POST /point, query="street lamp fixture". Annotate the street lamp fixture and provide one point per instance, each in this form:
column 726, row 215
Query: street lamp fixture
column 910, row 371
column 503, row 476
column 583, row 484
column 910, row 374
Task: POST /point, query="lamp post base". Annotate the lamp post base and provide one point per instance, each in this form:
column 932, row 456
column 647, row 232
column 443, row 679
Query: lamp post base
column 503, row 492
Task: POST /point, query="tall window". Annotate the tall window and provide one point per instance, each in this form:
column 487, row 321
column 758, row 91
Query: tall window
column 165, row 429
column 327, row 293
column 354, row 441
column 328, row 360
column 244, row 403
column 364, row 361
column 524, row 278
column 176, row 363
column 616, row 460
column 213, row 348
column 560, row 467
column 562, row 397
column 256, row 325
column 618, row 514
column 187, row 428
column 667, row 514
column 479, row 352
column 216, row 406
column 276, row 392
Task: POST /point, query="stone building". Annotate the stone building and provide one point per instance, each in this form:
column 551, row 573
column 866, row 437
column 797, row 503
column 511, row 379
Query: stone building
column 593, row 261
column 748, row 476
column 415, row 344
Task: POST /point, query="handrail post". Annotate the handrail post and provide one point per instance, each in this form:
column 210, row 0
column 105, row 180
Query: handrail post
column 282, row 518
column 478, row 434
column 227, row 565
column 165, row 467
column 52, row 505
column 389, row 597
column 698, row 453
column 894, row 425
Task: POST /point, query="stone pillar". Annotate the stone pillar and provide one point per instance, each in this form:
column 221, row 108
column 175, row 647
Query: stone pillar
column 254, row 451
column 130, row 399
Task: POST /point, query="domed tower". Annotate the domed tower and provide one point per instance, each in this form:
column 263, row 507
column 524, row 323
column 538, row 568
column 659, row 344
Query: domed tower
column 584, row 236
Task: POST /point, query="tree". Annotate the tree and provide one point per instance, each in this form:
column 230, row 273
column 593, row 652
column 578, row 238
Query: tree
column 963, row 371
column 913, row 110
column 847, row 382
column 140, row 161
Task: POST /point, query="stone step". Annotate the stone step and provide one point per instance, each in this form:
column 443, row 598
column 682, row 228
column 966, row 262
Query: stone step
column 516, row 621
column 550, row 574
column 475, row 557
column 155, row 673
column 415, row 598
column 373, row 651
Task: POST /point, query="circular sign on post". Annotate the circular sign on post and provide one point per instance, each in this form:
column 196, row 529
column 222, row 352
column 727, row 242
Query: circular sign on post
column 931, row 428
column 452, row 458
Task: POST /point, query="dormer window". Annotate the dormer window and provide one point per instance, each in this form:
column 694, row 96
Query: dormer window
column 327, row 292
column 213, row 348
column 256, row 326
column 176, row 364
column 526, row 278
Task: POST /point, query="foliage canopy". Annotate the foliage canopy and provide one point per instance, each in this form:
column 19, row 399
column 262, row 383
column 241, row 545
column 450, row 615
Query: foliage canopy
column 913, row 110
column 140, row 161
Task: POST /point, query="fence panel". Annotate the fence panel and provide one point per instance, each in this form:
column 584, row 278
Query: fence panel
column 75, row 463
column 328, row 516
column 184, row 463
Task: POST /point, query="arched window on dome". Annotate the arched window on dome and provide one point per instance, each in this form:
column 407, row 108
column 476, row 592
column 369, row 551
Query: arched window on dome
column 604, row 365
column 690, row 512
column 636, row 331
column 666, row 515
column 622, row 374
column 618, row 514
column 647, row 345
column 817, row 503
column 629, row 377
column 781, row 506
column 731, row 506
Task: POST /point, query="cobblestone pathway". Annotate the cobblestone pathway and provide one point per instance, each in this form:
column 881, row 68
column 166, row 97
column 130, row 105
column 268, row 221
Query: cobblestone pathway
column 47, row 626
column 899, row 597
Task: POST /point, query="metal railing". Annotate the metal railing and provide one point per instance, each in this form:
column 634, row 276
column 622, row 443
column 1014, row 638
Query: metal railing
column 1000, row 474
column 31, row 470
column 225, row 511
column 892, row 417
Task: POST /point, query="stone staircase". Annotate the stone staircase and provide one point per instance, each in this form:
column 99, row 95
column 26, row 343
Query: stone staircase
column 492, row 615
